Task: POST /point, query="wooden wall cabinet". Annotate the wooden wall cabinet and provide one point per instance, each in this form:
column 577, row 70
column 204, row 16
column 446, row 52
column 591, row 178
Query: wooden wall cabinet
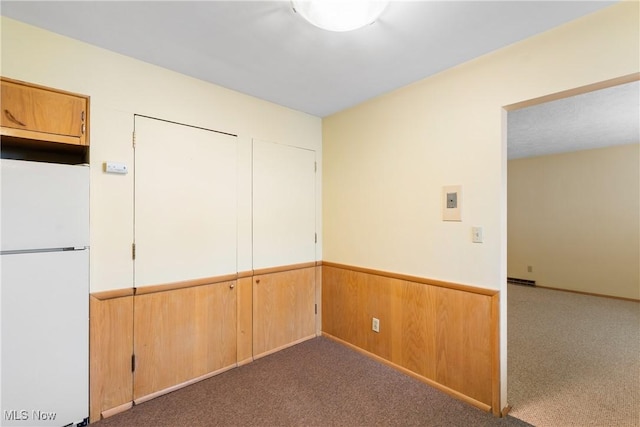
column 155, row 339
column 38, row 113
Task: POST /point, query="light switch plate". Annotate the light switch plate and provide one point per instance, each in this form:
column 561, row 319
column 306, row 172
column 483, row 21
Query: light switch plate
column 452, row 203
column 476, row 235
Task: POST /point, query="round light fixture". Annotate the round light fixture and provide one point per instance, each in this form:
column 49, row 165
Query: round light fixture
column 335, row 15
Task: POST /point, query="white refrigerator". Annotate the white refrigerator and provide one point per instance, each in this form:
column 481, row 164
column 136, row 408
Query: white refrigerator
column 44, row 294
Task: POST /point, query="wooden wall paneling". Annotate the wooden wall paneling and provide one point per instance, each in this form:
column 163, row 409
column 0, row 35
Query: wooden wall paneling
column 376, row 301
column 183, row 335
column 449, row 330
column 340, row 304
column 495, row 358
column 245, row 320
column 463, row 342
column 413, row 311
column 110, row 347
column 445, row 335
column 283, row 309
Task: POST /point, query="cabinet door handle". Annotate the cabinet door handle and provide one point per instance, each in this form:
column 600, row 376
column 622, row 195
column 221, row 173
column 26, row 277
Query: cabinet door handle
column 83, row 128
column 82, row 116
column 232, row 285
column 13, row 119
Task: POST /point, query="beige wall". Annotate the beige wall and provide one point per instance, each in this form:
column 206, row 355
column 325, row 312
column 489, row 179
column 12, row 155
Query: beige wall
column 575, row 219
column 386, row 160
column 121, row 87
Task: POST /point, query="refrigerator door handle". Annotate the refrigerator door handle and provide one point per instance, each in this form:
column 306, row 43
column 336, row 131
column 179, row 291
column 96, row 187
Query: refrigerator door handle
column 35, row 251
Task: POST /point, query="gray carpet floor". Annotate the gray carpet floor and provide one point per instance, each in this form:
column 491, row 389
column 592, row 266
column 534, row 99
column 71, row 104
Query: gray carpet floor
column 316, row 383
column 573, row 360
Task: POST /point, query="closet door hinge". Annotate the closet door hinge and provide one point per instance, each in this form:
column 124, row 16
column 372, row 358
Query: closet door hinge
column 134, row 139
column 315, row 166
column 315, row 238
column 133, row 363
column 133, row 251
column 316, row 308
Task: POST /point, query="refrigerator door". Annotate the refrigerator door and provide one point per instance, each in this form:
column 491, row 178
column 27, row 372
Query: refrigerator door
column 45, row 338
column 44, row 205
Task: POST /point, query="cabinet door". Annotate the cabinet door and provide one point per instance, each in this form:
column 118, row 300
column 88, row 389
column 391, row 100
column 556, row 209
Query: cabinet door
column 283, row 310
column 40, row 113
column 111, row 347
column 183, row 335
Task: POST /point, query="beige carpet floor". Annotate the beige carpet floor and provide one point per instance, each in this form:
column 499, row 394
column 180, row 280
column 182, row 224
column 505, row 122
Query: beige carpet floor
column 573, row 360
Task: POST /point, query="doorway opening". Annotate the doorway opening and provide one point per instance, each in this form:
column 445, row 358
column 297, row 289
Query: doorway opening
column 572, row 216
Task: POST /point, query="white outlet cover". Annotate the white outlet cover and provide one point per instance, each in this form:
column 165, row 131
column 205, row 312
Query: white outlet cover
column 375, row 325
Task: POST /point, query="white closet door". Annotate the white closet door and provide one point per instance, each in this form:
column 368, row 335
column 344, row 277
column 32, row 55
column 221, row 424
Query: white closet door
column 185, row 202
column 283, row 205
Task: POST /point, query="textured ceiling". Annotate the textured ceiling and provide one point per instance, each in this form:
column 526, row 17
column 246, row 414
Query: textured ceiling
column 592, row 120
column 262, row 48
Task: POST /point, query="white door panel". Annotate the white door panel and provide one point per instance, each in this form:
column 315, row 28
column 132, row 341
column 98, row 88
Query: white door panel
column 185, row 202
column 283, row 205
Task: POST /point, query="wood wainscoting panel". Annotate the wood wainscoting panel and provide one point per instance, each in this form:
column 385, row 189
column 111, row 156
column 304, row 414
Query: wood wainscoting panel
column 350, row 301
column 463, row 343
column 183, row 334
column 414, row 338
column 445, row 335
column 340, row 305
column 283, row 309
column 245, row 320
column 110, row 347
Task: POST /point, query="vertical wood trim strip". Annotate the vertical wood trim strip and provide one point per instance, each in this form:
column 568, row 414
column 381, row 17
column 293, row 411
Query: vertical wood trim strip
column 318, row 279
column 244, row 326
column 495, row 355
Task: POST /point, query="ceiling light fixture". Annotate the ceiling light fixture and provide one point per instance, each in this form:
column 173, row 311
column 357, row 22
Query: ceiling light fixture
column 345, row 15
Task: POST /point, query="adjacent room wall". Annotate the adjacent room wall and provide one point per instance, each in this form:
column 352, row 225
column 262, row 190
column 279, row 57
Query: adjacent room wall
column 575, row 219
column 120, row 87
column 386, row 160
